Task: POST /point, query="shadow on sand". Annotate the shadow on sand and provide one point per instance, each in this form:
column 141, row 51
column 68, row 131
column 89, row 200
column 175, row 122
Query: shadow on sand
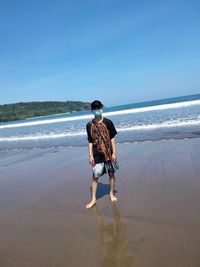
column 102, row 190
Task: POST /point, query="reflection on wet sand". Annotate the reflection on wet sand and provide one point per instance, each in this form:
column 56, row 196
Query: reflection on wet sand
column 113, row 240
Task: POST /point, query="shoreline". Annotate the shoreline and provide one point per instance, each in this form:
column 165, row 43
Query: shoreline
column 155, row 222
column 47, row 142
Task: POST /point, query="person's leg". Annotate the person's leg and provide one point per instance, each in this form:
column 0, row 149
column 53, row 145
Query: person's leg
column 112, row 187
column 94, row 192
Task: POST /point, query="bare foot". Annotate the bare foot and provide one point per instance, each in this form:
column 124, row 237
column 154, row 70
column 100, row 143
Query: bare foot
column 113, row 198
column 91, row 204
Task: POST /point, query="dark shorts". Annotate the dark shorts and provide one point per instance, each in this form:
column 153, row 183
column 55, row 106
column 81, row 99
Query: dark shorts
column 101, row 168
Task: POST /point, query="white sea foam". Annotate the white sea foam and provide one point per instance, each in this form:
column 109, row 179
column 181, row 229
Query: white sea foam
column 169, row 124
column 107, row 114
column 40, row 136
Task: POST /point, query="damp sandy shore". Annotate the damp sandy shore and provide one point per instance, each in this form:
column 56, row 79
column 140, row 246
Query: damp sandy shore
column 155, row 223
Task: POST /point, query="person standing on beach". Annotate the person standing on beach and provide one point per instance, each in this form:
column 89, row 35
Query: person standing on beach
column 102, row 149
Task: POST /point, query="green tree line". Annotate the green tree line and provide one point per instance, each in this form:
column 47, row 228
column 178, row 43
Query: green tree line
column 24, row 110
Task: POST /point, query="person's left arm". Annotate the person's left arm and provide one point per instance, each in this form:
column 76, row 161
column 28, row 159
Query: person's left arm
column 113, row 132
column 114, row 154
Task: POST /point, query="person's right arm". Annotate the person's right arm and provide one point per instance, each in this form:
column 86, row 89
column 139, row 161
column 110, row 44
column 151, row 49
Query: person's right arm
column 90, row 151
column 90, row 145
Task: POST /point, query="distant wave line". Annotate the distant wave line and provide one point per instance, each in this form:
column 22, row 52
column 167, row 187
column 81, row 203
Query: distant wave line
column 139, row 127
column 161, row 125
column 38, row 137
column 111, row 113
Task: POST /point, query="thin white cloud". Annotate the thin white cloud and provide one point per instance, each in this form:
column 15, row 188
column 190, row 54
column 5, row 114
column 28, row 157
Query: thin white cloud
column 115, row 26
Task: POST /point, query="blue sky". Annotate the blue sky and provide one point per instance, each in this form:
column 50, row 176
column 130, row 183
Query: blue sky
column 116, row 51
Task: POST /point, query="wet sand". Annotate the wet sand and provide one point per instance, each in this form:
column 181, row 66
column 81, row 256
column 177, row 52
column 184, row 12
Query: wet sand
column 155, row 223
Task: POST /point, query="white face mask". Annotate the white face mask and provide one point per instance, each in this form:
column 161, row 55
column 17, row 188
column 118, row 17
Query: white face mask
column 97, row 112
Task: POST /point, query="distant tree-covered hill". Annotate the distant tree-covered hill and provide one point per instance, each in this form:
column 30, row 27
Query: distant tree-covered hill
column 24, row 110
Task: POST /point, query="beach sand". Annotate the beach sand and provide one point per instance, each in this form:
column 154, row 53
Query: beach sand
column 155, row 223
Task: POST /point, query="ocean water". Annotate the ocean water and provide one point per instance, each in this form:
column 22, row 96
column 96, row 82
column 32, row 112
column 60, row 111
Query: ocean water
column 173, row 118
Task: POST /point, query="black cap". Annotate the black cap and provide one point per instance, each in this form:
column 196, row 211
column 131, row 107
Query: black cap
column 96, row 104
